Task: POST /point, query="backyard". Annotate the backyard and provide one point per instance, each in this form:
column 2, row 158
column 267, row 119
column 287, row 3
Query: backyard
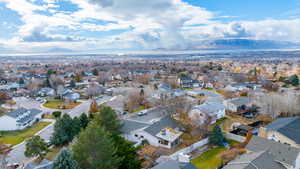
column 210, row 159
column 17, row 137
column 60, row 104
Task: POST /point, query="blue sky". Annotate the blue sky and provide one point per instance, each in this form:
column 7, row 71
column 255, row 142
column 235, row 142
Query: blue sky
column 96, row 25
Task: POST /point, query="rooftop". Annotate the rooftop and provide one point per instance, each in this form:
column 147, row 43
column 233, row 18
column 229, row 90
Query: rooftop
column 169, row 134
column 281, row 152
column 289, row 127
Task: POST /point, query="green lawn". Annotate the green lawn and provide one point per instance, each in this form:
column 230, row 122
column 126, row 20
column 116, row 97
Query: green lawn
column 59, row 104
column 16, row 137
column 209, row 159
column 140, row 108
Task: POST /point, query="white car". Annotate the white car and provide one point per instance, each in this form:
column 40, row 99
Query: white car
column 142, row 113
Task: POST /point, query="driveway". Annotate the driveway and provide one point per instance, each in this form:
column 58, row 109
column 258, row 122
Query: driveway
column 17, row 154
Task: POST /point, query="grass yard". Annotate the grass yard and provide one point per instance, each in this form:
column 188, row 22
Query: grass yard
column 140, row 108
column 209, row 159
column 17, row 137
column 59, row 104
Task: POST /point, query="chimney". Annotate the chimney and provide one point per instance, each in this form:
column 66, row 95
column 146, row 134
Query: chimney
column 262, row 132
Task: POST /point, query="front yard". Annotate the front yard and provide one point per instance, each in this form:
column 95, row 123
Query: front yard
column 17, row 137
column 60, row 104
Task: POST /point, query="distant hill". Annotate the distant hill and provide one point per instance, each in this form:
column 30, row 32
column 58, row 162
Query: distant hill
column 60, row 50
column 244, row 44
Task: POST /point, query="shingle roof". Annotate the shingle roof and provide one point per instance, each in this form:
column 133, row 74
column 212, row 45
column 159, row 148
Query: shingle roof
column 281, row 152
column 130, row 125
column 289, row 127
column 210, row 107
column 21, row 111
column 240, row 101
column 172, row 164
column 156, row 127
column 255, row 160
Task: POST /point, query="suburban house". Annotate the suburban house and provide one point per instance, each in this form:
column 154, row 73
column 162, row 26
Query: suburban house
column 19, row 119
column 283, row 130
column 165, row 91
column 72, row 97
column 266, row 154
column 46, row 92
column 185, row 82
column 68, row 94
column 237, row 104
column 173, row 164
column 201, row 113
column 164, row 132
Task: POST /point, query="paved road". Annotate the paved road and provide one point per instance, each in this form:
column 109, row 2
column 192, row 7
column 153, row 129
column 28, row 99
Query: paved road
column 17, row 154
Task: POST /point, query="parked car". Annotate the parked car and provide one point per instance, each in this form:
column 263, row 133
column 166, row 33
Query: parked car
column 124, row 113
column 142, row 113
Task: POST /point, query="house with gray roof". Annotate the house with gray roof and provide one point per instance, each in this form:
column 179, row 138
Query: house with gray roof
column 208, row 110
column 173, row 164
column 237, row 104
column 254, row 160
column 271, row 152
column 163, row 132
column 284, row 130
column 19, row 119
column 131, row 129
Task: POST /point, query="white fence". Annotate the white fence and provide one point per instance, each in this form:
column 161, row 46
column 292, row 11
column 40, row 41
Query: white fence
column 235, row 137
column 189, row 149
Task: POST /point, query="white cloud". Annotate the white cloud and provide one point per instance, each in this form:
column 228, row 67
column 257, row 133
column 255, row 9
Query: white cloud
column 147, row 24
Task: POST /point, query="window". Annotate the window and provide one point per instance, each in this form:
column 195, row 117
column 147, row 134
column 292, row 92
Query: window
column 163, row 142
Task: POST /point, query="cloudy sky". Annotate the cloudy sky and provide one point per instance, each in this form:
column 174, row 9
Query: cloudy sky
column 107, row 25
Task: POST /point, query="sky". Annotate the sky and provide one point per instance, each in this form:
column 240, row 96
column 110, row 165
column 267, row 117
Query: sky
column 29, row 26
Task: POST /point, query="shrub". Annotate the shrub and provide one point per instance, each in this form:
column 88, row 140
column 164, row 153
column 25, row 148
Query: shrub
column 56, row 114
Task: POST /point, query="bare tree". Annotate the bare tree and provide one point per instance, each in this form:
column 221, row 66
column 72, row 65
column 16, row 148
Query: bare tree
column 144, row 79
column 102, row 78
column 273, row 104
column 55, row 81
column 93, row 90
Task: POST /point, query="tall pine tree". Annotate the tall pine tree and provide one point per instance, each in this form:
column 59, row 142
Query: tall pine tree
column 65, row 161
column 95, row 149
column 216, row 137
column 108, row 119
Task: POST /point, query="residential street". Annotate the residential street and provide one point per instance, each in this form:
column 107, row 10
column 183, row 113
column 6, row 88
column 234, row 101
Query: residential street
column 17, row 154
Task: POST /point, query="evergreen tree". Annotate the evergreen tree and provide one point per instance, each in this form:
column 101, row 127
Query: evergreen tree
column 65, row 161
column 128, row 152
column 95, row 72
column 108, row 119
column 77, row 125
column 36, row 147
column 95, row 149
column 84, row 120
column 64, row 131
column 294, row 80
column 72, row 83
column 216, row 137
column 21, row 81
